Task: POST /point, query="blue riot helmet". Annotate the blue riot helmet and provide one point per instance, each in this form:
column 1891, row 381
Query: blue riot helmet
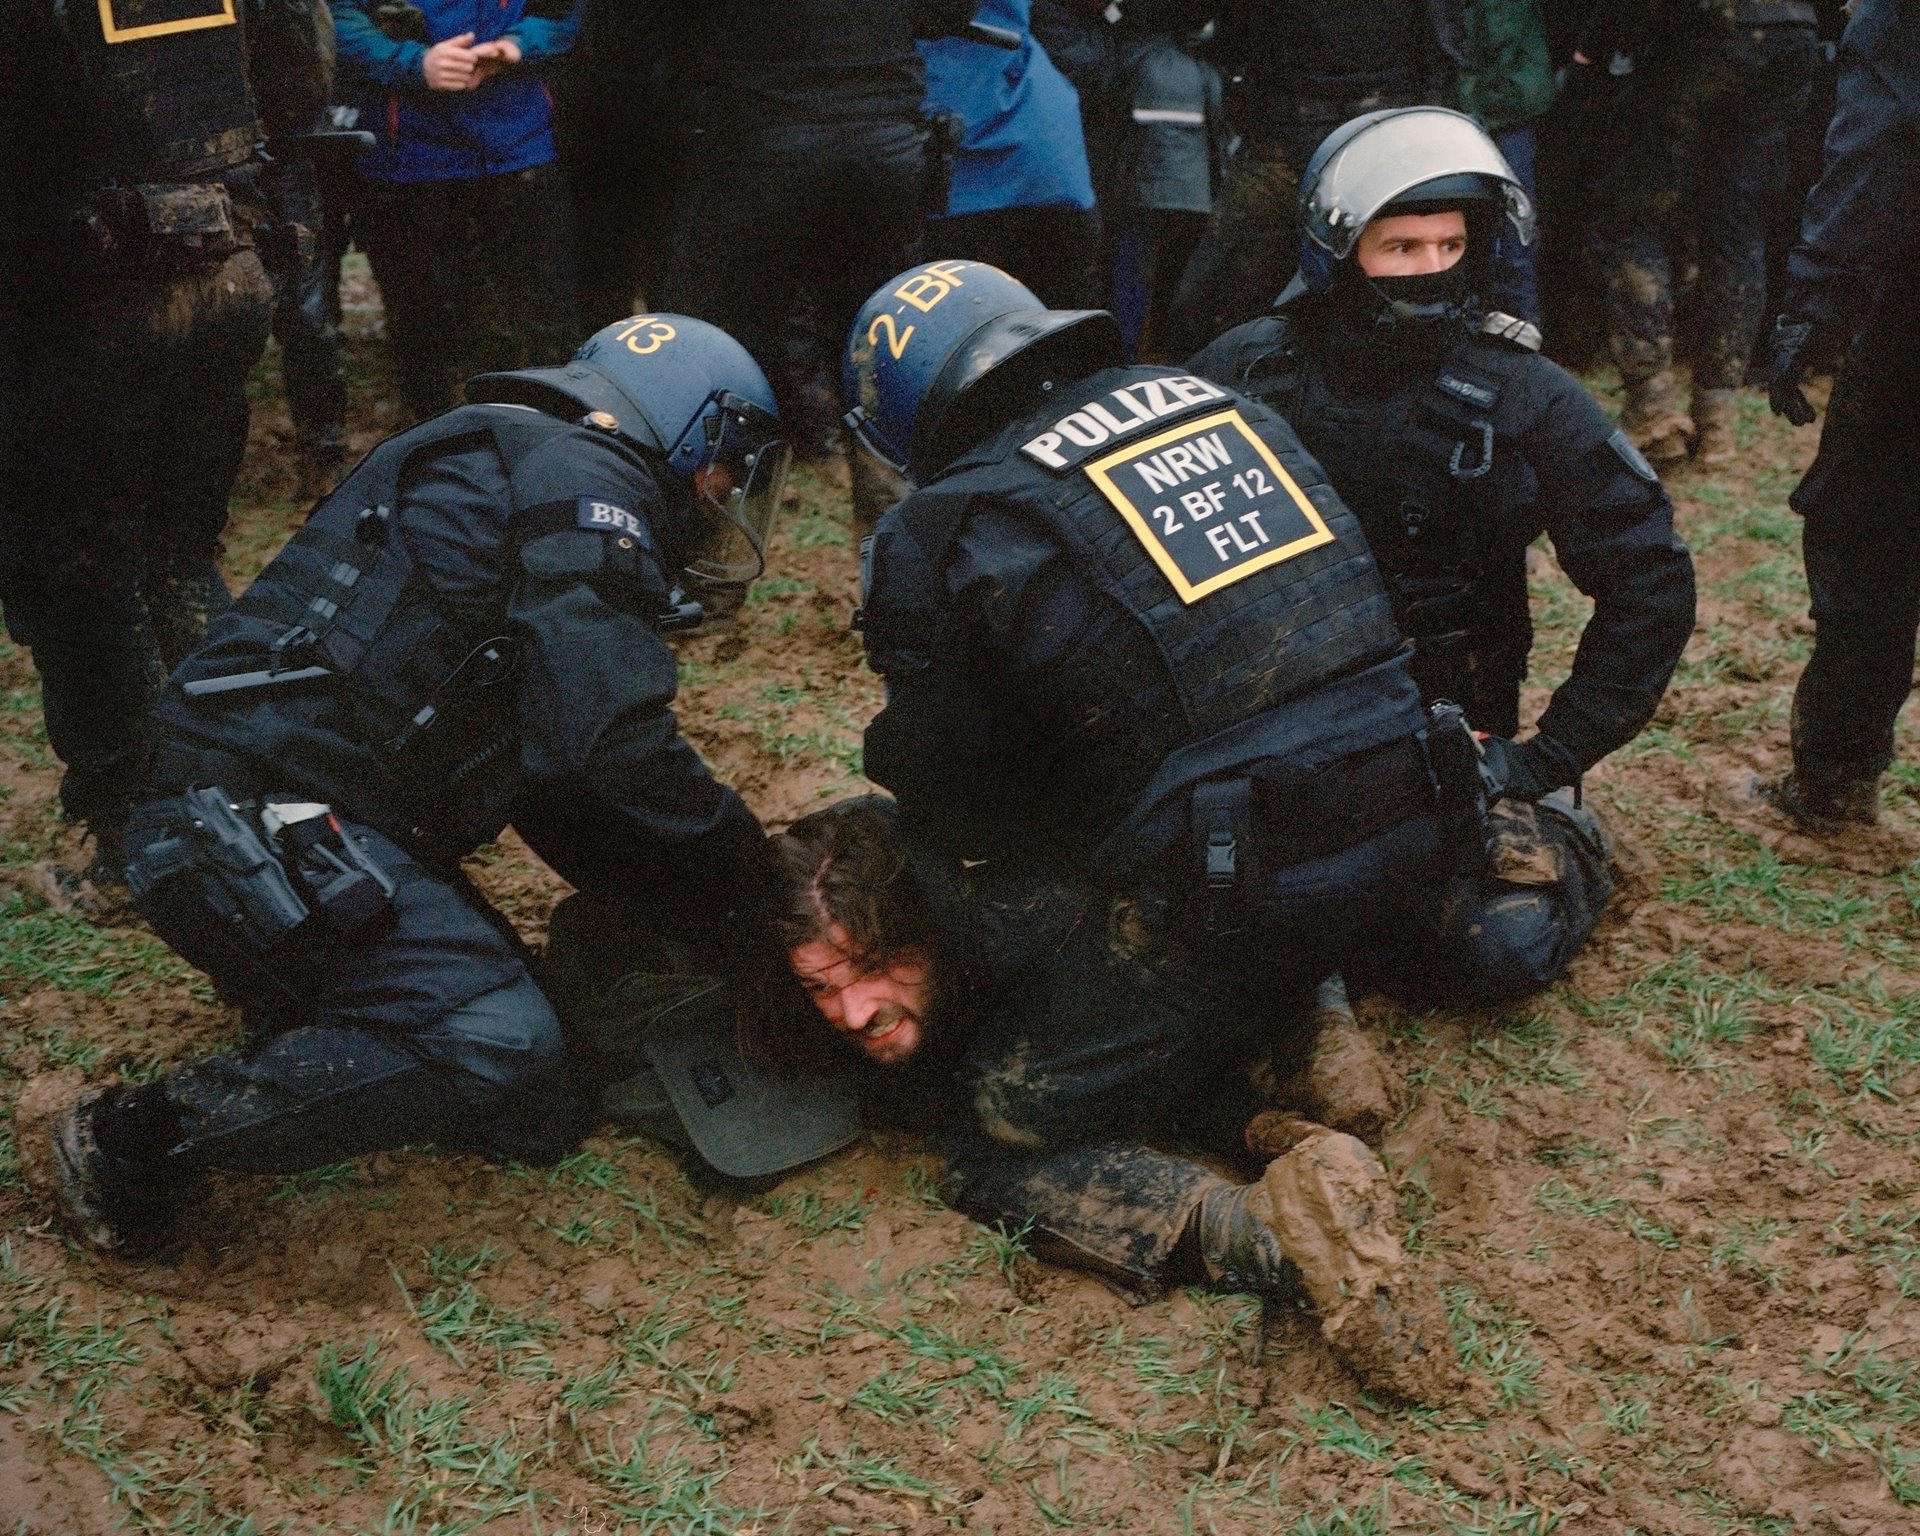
column 694, row 401
column 1406, row 160
column 951, row 351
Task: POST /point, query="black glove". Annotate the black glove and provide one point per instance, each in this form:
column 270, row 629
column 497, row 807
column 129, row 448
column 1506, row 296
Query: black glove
column 1526, row 770
column 1793, row 346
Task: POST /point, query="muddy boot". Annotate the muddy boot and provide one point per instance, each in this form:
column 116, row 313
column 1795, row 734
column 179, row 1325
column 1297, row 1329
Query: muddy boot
column 91, row 1193
column 1332, row 1206
column 1346, row 1085
column 1713, row 415
column 1822, row 807
column 1654, row 421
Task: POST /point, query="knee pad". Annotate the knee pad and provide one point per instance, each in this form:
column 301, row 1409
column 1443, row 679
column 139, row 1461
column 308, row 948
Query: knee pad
column 502, row 1038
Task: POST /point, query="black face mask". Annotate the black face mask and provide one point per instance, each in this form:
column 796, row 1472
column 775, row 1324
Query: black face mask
column 1426, row 298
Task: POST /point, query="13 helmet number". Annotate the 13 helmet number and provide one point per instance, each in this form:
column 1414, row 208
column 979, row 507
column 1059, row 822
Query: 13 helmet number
column 645, row 334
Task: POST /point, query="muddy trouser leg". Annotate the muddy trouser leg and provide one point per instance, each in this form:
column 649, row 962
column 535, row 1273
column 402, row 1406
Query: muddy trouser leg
column 1741, row 180
column 1116, row 1211
column 1861, row 508
column 132, row 424
column 433, row 1031
column 1636, row 183
column 200, row 428
column 1119, row 1020
column 1506, row 935
column 518, row 247
column 1243, row 260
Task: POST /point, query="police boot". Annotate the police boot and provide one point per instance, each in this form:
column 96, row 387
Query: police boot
column 99, row 1198
column 1654, row 421
column 1822, row 805
column 1713, row 415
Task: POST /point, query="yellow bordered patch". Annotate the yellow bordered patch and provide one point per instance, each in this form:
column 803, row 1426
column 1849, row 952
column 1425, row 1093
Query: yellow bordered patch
column 131, row 21
column 1211, row 503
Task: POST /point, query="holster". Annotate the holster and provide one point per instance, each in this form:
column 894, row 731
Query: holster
column 206, row 878
column 1460, row 790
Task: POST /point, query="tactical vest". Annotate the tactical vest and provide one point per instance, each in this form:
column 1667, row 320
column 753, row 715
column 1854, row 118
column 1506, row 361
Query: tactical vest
column 1256, row 625
column 165, row 87
column 1421, row 469
column 344, row 674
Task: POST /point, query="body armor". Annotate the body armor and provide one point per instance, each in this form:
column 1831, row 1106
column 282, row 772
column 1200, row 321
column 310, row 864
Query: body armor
column 165, row 88
column 1434, row 502
column 344, row 674
column 1254, row 627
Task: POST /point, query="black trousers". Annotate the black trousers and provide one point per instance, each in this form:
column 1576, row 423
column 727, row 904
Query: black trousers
column 129, row 424
column 774, row 211
column 477, row 274
column 1861, row 507
column 306, row 306
column 432, row 1031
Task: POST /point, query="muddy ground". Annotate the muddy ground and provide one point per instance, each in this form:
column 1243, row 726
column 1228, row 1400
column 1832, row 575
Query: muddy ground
column 1670, row 1209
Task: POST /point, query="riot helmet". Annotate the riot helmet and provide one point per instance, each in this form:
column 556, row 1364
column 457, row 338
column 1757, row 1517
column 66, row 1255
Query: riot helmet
column 695, row 403
column 950, row 351
column 1407, row 160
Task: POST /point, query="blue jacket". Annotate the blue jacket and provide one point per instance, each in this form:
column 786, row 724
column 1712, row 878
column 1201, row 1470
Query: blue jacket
column 1023, row 147
column 423, row 135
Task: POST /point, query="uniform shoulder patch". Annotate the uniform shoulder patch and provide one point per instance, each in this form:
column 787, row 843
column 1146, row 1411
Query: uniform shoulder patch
column 1210, row 502
column 1632, row 457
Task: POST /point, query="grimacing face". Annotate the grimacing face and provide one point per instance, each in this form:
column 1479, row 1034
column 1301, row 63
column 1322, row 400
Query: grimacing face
column 882, row 1010
column 1411, row 244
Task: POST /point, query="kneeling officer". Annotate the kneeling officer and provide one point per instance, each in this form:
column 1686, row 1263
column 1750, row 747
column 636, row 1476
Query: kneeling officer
column 465, row 634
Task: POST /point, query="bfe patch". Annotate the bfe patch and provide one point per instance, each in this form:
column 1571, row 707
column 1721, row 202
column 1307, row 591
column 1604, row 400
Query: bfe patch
column 1210, row 502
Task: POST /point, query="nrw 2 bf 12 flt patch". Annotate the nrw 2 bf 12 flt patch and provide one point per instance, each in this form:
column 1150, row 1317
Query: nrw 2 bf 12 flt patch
column 1210, row 502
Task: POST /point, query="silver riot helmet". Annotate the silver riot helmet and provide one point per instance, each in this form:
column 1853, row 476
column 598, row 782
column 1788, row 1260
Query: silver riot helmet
column 1407, row 160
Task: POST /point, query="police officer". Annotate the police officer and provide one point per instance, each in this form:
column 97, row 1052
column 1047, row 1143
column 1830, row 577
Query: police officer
column 466, row 633
column 139, row 304
column 1457, row 444
column 1850, row 289
column 1140, row 666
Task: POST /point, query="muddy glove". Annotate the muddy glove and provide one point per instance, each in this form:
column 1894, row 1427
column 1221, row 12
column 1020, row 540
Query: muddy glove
column 1795, row 347
column 1526, row 770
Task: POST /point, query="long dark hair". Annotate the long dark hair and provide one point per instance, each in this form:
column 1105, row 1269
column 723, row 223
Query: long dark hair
column 848, row 865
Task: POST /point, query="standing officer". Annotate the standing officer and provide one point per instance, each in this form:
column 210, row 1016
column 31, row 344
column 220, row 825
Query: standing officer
column 1851, row 286
column 1457, row 444
column 1690, row 103
column 1141, row 667
column 466, row 633
column 138, row 306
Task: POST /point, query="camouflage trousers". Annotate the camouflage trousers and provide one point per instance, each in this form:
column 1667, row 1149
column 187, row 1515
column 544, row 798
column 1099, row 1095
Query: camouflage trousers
column 1687, row 165
column 1249, row 250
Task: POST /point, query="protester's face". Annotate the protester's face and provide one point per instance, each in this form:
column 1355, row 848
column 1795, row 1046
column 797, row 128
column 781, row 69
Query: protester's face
column 1412, row 244
column 882, row 1010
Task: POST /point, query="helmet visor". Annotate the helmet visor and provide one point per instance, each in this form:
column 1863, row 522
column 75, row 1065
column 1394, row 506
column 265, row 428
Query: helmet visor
column 737, row 487
column 1391, row 157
